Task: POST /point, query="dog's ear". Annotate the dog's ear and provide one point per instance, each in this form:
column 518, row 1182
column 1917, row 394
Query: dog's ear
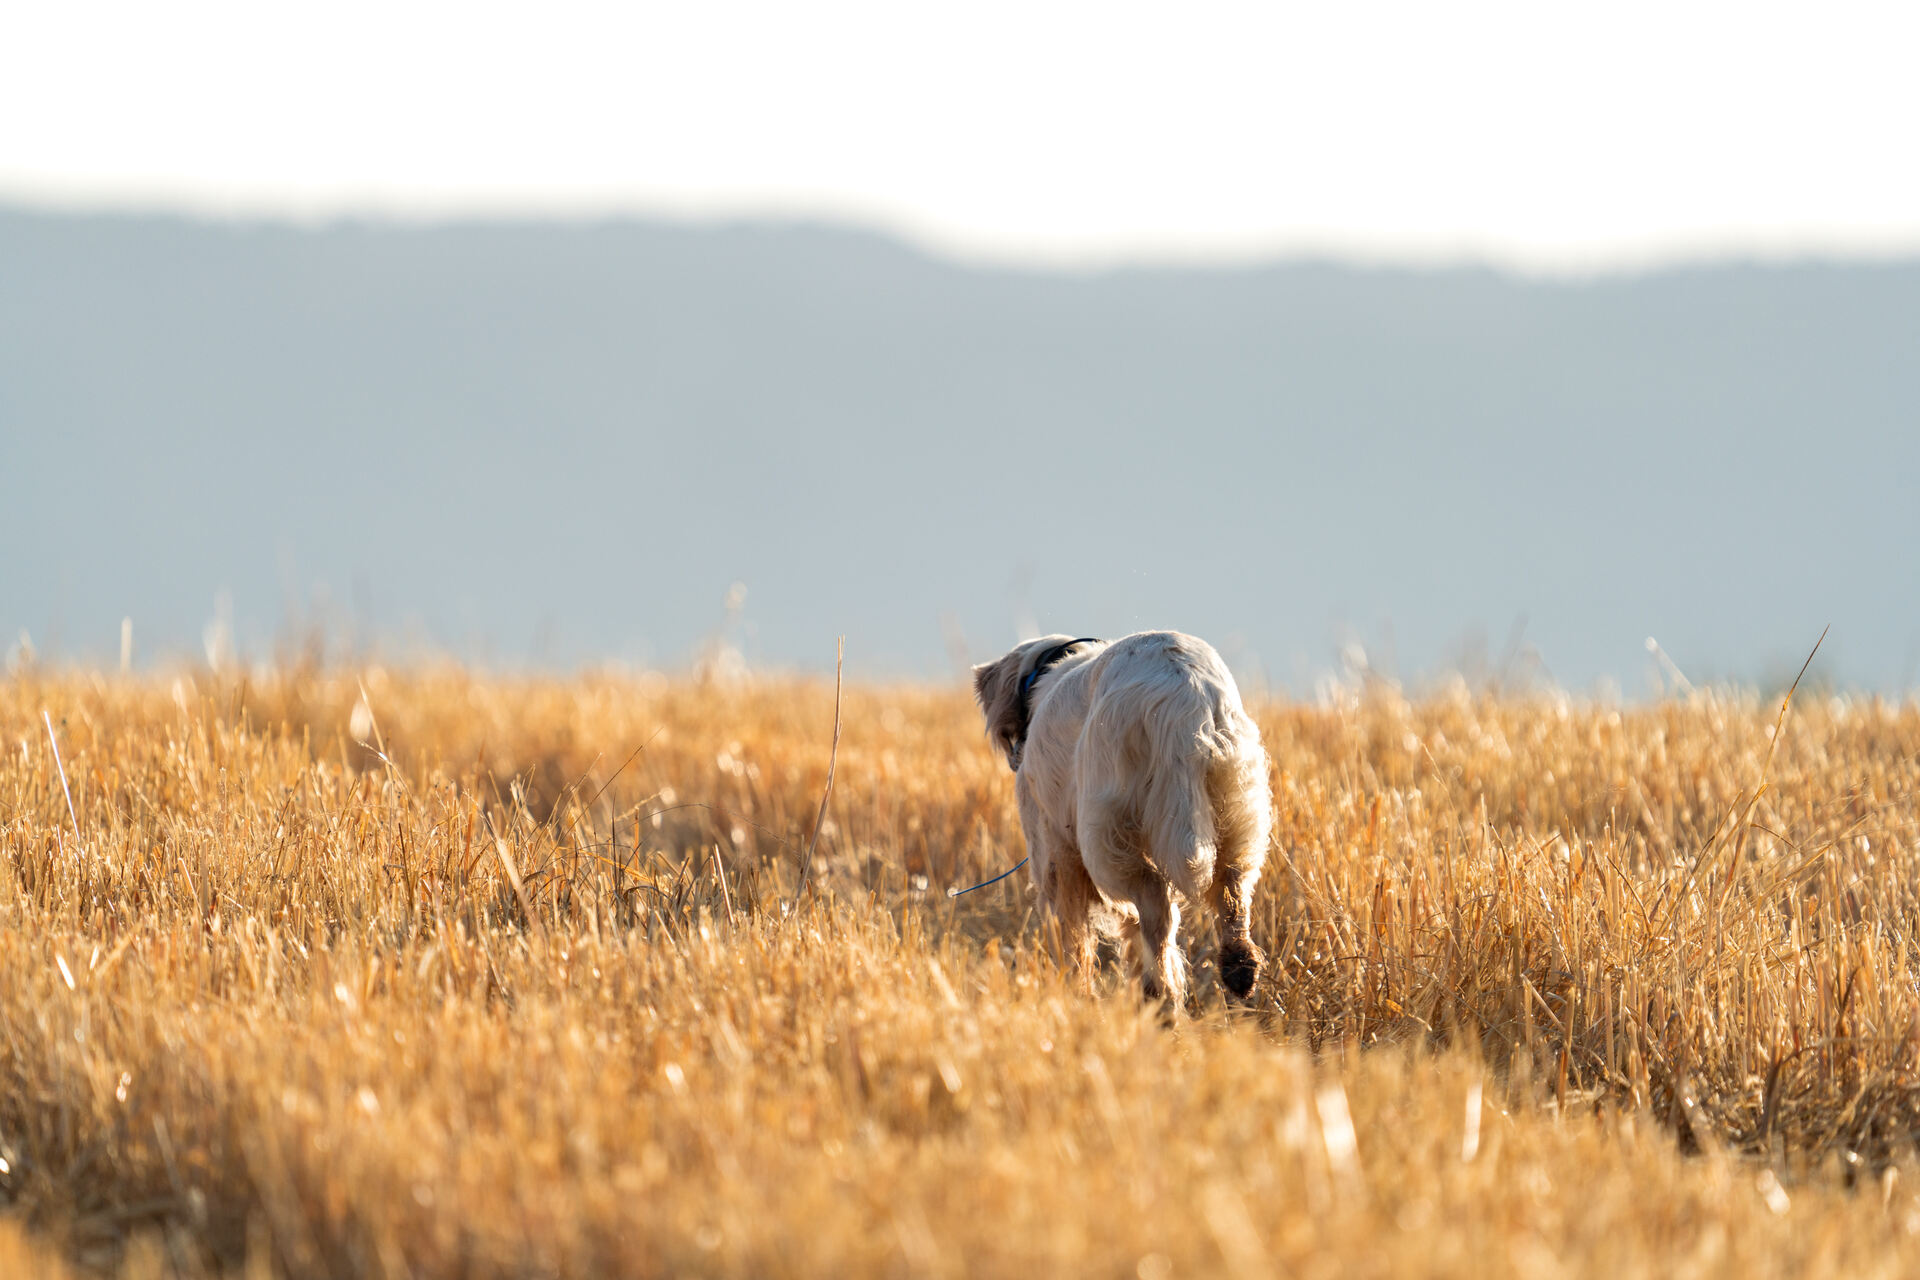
column 996, row 687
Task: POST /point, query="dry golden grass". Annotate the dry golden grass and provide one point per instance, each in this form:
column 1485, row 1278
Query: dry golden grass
column 1556, row 989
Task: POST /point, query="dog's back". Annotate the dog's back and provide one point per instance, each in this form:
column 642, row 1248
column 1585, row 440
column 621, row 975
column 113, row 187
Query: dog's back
column 1169, row 764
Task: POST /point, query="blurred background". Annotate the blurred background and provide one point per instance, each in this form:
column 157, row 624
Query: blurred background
column 1498, row 339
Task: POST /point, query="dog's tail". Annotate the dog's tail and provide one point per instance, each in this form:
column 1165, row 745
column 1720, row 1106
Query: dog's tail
column 1180, row 831
column 1203, row 799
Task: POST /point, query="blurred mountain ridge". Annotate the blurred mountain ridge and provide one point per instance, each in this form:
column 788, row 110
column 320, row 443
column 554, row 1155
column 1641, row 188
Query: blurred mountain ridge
column 562, row 443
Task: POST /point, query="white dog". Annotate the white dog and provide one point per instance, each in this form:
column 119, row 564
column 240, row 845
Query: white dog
column 1138, row 772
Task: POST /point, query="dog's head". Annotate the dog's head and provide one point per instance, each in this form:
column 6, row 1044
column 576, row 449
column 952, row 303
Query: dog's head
column 997, row 688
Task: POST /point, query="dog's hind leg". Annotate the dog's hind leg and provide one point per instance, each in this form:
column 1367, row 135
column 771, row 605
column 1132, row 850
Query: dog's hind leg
column 1243, row 820
column 1163, row 969
column 1240, row 960
column 1111, row 848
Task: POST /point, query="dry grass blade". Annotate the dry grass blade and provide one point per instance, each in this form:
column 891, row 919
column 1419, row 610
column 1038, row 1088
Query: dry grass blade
column 833, row 759
column 65, row 790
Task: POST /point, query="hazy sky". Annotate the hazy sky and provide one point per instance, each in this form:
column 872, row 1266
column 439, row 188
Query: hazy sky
column 1548, row 136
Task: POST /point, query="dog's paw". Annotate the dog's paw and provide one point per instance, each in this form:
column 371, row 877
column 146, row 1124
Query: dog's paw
column 1240, row 966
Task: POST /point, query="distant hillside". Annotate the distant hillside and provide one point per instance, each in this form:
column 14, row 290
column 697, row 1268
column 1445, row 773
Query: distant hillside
column 559, row 443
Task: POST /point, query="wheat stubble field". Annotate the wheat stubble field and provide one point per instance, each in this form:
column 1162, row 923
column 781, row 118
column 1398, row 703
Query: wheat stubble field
column 535, row 981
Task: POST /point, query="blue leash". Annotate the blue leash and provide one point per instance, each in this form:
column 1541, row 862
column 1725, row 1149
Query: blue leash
column 954, row 893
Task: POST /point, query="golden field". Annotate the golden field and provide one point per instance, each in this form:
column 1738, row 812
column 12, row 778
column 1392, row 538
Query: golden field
column 436, row 974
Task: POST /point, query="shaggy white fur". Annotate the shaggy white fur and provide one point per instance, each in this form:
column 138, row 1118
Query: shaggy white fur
column 1138, row 773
